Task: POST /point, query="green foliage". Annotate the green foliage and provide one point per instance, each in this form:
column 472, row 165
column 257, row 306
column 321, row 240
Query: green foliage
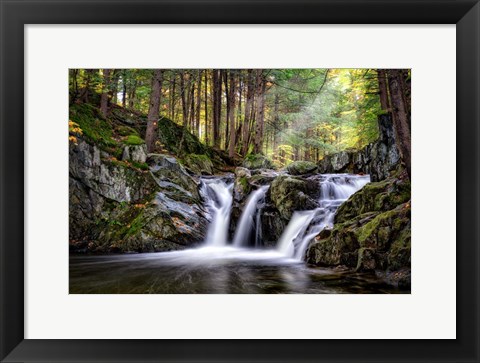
column 94, row 126
column 133, row 140
column 309, row 113
column 126, row 131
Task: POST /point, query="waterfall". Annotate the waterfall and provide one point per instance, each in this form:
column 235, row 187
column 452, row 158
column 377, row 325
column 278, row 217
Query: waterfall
column 305, row 225
column 298, row 223
column 250, row 219
column 218, row 196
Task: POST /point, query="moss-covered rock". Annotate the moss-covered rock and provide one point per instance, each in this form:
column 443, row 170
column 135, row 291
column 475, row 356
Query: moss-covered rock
column 290, row 194
column 301, row 167
column 170, row 174
column 257, row 161
column 117, row 206
column 133, row 140
column 241, row 185
column 376, row 197
column 372, row 240
column 199, row 164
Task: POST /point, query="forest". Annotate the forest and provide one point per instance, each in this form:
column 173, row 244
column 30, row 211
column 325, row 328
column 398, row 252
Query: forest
column 285, row 114
column 239, row 180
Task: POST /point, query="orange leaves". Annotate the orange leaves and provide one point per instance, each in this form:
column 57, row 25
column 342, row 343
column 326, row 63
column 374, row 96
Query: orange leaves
column 74, row 128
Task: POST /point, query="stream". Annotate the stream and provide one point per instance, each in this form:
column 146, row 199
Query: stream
column 239, row 266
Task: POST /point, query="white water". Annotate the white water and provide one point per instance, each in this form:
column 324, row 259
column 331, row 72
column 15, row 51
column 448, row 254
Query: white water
column 218, row 197
column 304, row 226
column 250, row 219
column 299, row 222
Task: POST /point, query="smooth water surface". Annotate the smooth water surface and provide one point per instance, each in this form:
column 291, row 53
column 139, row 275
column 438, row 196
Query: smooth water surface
column 213, row 270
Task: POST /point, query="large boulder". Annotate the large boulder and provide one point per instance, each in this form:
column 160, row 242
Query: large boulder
column 257, row 161
column 371, row 231
column 117, row 207
column 301, row 168
column 161, row 224
column 170, row 174
column 107, row 176
column 289, row 194
column 376, row 197
column 241, row 186
column 199, row 164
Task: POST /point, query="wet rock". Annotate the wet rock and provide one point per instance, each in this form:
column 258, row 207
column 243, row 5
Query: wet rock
column 366, row 259
column 241, row 187
column 257, row 161
column 376, row 197
column 272, row 225
column 289, row 194
column 371, row 231
column 167, row 171
column 302, row 167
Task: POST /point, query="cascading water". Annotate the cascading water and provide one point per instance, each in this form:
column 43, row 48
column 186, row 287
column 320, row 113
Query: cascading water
column 305, row 225
column 250, row 220
column 218, row 196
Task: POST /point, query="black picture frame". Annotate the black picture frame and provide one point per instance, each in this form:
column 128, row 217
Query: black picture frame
column 15, row 14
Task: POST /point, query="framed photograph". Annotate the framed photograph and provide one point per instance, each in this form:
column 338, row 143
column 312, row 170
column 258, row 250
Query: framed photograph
column 273, row 181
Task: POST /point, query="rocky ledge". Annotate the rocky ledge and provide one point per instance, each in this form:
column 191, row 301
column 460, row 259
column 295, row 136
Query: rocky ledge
column 377, row 159
column 371, row 232
column 123, row 206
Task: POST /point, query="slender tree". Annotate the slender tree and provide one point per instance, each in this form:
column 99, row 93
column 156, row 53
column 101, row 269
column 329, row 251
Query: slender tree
column 105, row 93
column 231, row 113
column 400, row 116
column 383, row 90
column 154, row 110
column 217, row 105
column 248, row 111
column 199, row 102
column 206, row 108
column 259, row 122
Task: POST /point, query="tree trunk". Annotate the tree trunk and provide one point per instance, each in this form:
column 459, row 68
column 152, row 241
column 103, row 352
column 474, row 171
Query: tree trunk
column 206, row 108
column 382, row 86
column 114, row 87
column 239, row 111
column 154, row 110
column 248, row 112
column 124, row 90
column 86, row 90
column 260, row 112
column 276, row 124
column 105, row 93
column 184, row 95
column 191, row 114
column 199, row 102
column 231, row 114
column 227, row 116
column 400, row 116
column 132, row 94
column 217, row 105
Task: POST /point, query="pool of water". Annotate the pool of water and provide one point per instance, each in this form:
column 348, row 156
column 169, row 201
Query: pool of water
column 214, row 270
